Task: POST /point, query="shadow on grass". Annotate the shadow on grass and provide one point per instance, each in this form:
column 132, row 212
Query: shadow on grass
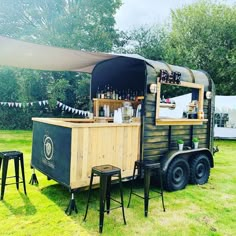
column 61, row 196
column 26, row 209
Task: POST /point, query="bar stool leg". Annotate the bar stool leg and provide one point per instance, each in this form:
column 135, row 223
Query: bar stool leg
column 4, row 175
column 121, row 197
column 108, row 194
column 132, row 182
column 103, row 191
column 162, row 195
column 16, row 163
column 89, row 194
column 23, row 173
column 147, row 175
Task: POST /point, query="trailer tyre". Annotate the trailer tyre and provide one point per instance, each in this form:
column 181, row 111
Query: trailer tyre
column 199, row 170
column 177, row 176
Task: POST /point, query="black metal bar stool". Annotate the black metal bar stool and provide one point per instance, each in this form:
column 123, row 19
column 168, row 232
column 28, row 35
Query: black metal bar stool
column 105, row 172
column 147, row 167
column 18, row 158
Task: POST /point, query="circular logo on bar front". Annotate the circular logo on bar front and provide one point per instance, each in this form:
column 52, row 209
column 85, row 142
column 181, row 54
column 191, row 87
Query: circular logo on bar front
column 48, row 147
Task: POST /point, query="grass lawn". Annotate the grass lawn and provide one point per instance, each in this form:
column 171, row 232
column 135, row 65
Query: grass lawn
column 208, row 209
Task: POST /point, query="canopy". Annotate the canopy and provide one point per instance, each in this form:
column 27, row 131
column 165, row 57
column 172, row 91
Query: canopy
column 21, row 54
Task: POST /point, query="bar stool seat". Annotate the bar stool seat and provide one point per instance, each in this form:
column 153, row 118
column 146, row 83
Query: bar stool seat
column 147, row 167
column 105, row 172
column 4, row 159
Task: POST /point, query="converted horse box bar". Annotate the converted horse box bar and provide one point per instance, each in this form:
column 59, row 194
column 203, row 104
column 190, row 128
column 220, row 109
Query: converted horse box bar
column 66, row 149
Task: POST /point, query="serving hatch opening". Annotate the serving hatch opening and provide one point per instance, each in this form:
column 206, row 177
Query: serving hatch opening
column 121, row 74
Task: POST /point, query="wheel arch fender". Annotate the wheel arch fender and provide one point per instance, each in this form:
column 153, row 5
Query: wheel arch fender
column 209, row 155
column 186, row 154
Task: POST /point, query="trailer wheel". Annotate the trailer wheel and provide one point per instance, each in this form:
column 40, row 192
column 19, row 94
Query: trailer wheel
column 177, row 176
column 199, row 170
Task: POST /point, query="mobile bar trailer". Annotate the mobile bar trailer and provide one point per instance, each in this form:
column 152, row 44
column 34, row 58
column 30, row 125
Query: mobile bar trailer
column 66, row 149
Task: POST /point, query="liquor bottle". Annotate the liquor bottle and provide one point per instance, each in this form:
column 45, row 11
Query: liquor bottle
column 98, row 95
column 108, row 92
column 120, row 95
column 113, row 94
column 117, row 95
column 105, row 92
column 135, row 95
column 101, row 112
column 102, row 94
column 128, row 95
column 131, row 95
column 123, row 95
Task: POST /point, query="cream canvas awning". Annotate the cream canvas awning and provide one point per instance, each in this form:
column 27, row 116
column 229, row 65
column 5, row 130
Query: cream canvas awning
column 17, row 53
column 22, row 54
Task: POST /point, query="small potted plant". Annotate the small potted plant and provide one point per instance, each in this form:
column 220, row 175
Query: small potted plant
column 180, row 143
column 195, row 142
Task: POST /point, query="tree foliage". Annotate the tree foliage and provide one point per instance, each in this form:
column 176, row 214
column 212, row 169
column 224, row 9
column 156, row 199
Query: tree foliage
column 200, row 36
column 9, row 89
column 78, row 24
column 203, row 36
column 145, row 41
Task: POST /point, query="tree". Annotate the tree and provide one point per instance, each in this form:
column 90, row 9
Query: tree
column 79, row 24
column 145, row 41
column 8, row 86
column 203, row 36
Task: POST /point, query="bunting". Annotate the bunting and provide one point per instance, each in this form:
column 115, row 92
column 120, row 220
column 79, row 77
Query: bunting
column 63, row 106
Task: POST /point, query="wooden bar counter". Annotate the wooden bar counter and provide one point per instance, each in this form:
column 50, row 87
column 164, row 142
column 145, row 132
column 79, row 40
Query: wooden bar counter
column 66, row 149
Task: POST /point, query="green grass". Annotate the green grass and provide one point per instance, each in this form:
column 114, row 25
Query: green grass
column 209, row 209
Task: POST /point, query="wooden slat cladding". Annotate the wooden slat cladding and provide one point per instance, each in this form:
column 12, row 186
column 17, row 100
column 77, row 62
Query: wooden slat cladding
column 93, row 146
column 158, row 145
column 155, row 139
column 155, row 133
column 155, row 152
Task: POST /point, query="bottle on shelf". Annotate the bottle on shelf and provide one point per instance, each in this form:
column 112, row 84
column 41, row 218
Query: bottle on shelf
column 98, row 95
column 101, row 112
column 117, row 94
column 108, row 92
column 128, row 95
column 123, row 95
column 105, row 92
column 113, row 94
column 102, row 95
column 120, row 95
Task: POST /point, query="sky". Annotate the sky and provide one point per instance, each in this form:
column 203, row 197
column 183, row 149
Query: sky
column 134, row 13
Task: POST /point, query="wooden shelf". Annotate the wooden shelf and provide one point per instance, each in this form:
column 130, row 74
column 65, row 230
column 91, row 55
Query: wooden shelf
column 168, row 121
column 113, row 104
column 103, row 119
